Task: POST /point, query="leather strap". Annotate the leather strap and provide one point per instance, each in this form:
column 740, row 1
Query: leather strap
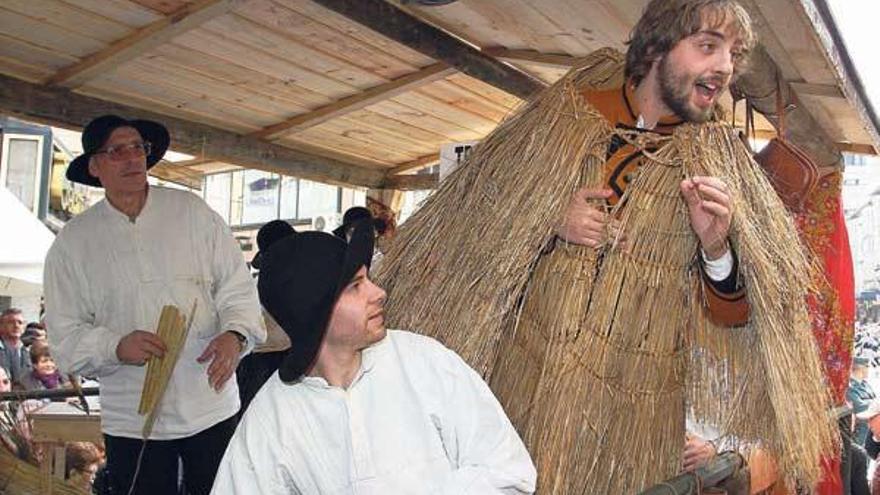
column 780, row 107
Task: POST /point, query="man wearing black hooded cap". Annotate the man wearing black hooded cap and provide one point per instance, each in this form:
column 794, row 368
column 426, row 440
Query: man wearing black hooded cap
column 354, row 408
column 108, row 275
column 860, row 394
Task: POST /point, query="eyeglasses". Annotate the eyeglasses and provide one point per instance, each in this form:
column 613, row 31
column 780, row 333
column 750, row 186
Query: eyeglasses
column 120, row 151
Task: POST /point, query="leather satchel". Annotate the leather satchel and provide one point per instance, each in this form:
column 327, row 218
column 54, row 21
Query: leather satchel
column 793, row 174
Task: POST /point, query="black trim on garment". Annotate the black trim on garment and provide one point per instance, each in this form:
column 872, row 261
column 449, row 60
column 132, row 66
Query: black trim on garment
column 612, row 180
column 614, row 146
column 872, row 447
column 731, row 284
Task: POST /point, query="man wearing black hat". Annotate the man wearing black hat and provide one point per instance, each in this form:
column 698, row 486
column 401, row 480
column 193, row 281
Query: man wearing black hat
column 108, row 275
column 356, row 409
column 355, row 215
column 860, row 394
column 256, row 368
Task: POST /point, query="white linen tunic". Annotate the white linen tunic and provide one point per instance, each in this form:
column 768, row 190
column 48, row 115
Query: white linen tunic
column 416, row 420
column 107, row 276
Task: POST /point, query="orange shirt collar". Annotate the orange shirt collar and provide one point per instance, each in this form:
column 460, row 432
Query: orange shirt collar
column 664, row 125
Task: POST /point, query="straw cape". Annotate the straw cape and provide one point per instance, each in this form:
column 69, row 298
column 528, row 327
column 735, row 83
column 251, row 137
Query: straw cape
column 599, row 355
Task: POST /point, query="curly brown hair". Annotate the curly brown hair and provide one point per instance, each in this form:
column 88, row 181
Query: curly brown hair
column 80, row 455
column 666, row 22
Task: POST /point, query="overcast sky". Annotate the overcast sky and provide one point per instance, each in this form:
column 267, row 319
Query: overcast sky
column 857, row 22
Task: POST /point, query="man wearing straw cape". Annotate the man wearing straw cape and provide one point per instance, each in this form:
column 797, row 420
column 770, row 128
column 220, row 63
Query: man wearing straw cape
column 108, row 275
column 624, row 263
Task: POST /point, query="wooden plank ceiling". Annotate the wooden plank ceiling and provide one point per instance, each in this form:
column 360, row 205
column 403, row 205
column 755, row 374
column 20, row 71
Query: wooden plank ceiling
column 287, row 71
column 300, row 75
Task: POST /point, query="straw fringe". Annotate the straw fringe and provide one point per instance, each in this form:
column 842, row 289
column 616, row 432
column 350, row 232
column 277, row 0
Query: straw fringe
column 598, row 355
column 773, row 363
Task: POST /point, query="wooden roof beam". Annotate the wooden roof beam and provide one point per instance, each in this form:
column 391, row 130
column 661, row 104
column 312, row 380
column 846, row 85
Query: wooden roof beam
column 189, row 16
column 62, row 107
column 416, row 164
column 811, row 89
column 172, row 173
column 356, row 102
column 191, row 163
column 532, row 56
column 413, row 182
column 388, row 20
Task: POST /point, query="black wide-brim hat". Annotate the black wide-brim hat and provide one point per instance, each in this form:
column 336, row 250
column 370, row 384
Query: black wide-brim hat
column 351, row 216
column 95, row 135
column 268, row 235
column 301, row 278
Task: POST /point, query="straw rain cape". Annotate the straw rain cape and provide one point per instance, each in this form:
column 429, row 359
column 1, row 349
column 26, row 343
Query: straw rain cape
column 598, row 355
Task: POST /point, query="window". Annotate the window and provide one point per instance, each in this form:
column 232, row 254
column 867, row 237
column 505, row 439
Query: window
column 359, row 197
column 412, row 201
column 248, row 197
column 236, row 200
column 21, row 168
column 855, row 160
column 217, row 193
column 289, row 196
column 316, row 199
column 260, row 197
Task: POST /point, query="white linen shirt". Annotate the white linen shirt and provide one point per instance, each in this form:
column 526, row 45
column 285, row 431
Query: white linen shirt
column 106, row 276
column 416, row 420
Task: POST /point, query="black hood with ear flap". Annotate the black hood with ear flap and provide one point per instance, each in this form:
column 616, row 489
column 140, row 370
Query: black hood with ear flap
column 301, row 277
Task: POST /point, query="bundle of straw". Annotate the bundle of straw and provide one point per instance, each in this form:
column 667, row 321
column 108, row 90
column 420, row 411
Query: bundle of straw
column 19, row 462
column 597, row 355
column 23, row 478
column 173, row 330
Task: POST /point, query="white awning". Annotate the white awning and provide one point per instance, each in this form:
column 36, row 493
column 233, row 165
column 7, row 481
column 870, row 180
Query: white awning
column 25, row 241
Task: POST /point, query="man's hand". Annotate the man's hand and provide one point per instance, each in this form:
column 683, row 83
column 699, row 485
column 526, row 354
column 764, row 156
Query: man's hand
column 223, row 352
column 710, row 211
column 584, row 223
column 697, row 452
column 139, row 346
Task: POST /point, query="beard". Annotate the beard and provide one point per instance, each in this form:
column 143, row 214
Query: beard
column 676, row 87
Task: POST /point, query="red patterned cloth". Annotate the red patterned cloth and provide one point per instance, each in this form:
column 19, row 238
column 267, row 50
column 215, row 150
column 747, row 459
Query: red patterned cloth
column 833, row 309
column 823, row 229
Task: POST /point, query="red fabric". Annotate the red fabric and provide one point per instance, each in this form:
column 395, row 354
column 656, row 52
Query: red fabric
column 833, row 309
column 831, row 483
column 823, row 229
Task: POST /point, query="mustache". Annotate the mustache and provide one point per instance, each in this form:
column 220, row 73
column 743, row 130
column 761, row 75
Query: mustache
column 713, row 81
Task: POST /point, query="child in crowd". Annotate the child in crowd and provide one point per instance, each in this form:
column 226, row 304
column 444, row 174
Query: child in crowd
column 83, row 459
